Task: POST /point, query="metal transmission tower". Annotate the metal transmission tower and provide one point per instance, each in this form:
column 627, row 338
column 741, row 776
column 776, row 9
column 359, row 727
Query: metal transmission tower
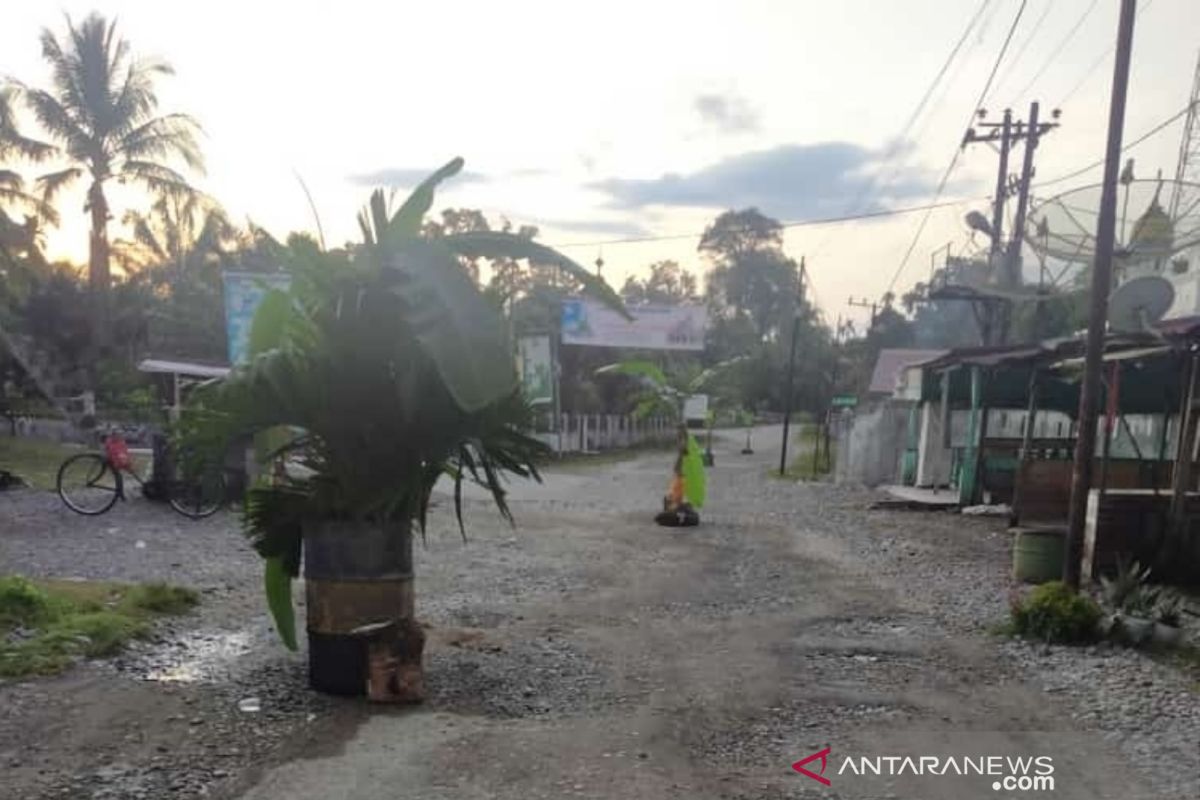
column 1187, row 172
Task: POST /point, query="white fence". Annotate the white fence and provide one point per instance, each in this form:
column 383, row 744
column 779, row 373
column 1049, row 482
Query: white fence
column 593, row 433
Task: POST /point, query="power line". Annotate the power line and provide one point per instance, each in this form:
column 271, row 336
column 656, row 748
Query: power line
column 1095, row 64
column 958, row 151
column 1156, row 129
column 870, row 184
column 1056, row 51
column 890, row 212
column 1016, row 59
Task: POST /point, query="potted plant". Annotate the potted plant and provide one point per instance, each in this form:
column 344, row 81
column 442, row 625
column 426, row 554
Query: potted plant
column 1131, row 601
column 1167, row 614
column 381, row 372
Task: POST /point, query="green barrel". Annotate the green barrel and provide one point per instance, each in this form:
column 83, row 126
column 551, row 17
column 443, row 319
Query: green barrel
column 1038, row 555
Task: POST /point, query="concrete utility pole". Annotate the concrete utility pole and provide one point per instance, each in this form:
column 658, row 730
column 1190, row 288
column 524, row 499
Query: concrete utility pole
column 995, row 316
column 791, row 373
column 1085, row 444
column 874, row 306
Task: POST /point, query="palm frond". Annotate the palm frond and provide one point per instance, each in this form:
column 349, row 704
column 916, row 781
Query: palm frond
column 172, row 135
column 157, row 178
column 50, row 184
column 13, row 193
column 61, row 123
column 11, row 139
column 136, row 99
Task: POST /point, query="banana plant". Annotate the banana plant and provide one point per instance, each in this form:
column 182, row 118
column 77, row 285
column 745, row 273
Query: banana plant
column 381, row 371
column 665, row 394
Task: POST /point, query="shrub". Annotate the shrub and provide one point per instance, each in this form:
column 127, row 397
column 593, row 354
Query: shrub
column 161, row 598
column 22, row 603
column 1054, row 613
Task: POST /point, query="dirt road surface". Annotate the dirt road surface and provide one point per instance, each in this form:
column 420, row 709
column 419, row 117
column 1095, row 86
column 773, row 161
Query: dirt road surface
column 591, row 654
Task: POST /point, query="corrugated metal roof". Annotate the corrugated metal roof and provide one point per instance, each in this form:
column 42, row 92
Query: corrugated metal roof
column 183, row 368
column 892, row 362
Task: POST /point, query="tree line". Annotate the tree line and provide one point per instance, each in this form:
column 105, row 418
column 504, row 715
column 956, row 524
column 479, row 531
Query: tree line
column 155, row 288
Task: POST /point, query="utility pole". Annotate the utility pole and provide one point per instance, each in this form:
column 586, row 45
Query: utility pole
column 823, row 433
column 1085, row 443
column 791, row 373
column 1012, row 258
column 995, row 313
column 873, row 305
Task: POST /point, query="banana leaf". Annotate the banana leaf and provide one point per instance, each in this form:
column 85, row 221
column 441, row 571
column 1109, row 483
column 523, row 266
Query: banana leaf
column 694, row 481
column 277, row 584
column 463, row 335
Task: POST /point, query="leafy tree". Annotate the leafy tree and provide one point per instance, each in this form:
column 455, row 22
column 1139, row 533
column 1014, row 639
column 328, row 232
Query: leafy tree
column 751, row 277
column 666, row 283
column 100, row 115
column 734, row 234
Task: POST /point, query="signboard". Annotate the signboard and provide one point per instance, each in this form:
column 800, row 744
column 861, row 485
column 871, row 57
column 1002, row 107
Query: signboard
column 844, row 401
column 695, row 410
column 536, row 366
column 243, row 292
column 654, row 327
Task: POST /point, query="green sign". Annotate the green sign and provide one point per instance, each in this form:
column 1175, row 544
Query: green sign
column 844, row 401
column 536, row 367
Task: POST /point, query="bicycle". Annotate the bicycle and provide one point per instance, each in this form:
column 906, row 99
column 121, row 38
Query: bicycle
column 92, row 483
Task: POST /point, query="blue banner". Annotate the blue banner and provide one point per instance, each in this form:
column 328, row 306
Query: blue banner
column 243, row 292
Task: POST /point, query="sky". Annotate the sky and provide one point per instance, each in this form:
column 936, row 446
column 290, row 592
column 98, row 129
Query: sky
column 603, row 122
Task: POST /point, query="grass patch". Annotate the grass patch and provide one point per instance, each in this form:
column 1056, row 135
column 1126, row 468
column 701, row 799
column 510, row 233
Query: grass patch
column 45, row 625
column 36, row 461
column 161, row 598
column 803, row 443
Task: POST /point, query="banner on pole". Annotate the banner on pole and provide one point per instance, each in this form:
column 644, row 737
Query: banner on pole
column 654, row 327
column 243, row 293
column 536, row 365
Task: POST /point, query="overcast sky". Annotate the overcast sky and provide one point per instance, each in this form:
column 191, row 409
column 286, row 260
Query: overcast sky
column 604, row 121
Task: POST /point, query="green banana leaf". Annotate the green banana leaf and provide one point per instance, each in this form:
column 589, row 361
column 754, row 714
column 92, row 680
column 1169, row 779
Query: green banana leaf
column 277, row 584
column 464, row 336
column 406, row 222
column 694, row 481
column 497, row 244
column 637, row 369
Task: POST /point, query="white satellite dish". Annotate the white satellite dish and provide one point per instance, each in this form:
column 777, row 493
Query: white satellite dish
column 1139, row 302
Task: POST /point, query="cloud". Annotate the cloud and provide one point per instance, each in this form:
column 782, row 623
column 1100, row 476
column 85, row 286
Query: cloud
column 727, row 113
column 406, row 177
column 787, row 182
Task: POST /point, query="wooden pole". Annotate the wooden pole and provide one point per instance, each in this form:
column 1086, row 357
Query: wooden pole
column 1014, row 517
column 1085, row 442
column 1182, row 478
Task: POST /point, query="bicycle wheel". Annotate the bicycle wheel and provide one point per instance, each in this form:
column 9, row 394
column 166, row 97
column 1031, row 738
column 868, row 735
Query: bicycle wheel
column 88, row 484
column 197, row 498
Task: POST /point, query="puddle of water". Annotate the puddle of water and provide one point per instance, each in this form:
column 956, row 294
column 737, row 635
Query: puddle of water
column 195, row 656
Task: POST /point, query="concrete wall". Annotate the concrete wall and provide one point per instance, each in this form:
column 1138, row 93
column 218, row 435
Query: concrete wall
column 872, row 444
column 933, row 457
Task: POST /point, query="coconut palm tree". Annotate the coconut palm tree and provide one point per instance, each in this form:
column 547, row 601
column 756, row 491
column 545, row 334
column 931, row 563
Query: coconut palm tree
column 180, row 234
column 100, row 119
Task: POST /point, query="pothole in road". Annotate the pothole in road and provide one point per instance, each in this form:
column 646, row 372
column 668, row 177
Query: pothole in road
column 775, row 735
column 192, row 657
column 533, row 678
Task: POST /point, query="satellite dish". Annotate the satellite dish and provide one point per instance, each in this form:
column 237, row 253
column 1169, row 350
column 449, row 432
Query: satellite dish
column 1149, row 237
column 1140, row 302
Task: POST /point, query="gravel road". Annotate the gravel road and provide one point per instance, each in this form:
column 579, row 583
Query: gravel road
column 589, row 653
